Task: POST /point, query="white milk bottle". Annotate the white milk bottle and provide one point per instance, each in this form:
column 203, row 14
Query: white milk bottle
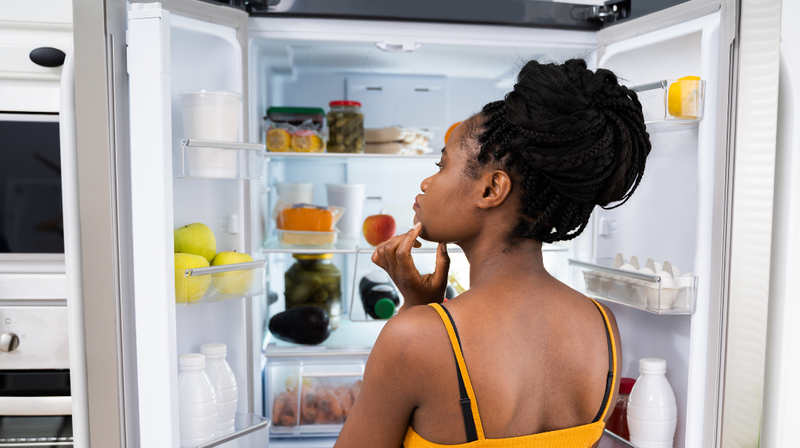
column 197, row 403
column 652, row 411
column 221, row 376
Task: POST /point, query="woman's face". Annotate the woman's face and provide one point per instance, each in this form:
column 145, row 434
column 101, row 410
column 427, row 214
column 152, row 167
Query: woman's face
column 448, row 208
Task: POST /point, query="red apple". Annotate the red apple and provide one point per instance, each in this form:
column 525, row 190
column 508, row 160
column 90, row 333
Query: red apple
column 379, row 228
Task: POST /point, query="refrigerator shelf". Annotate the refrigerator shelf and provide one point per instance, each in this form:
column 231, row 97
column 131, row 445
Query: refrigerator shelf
column 209, row 159
column 342, row 246
column 216, row 283
column 634, row 289
column 251, row 432
column 333, row 156
column 673, row 101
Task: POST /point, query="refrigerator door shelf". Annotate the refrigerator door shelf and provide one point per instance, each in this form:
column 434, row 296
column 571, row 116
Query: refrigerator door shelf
column 194, row 159
column 651, row 293
column 672, row 101
column 324, row 387
column 216, row 283
column 251, row 432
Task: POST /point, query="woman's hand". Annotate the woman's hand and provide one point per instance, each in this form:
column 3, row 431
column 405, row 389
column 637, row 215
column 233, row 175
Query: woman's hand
column 394, row 256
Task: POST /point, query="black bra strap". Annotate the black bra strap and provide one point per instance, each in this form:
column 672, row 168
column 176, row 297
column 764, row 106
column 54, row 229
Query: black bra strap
column 466, row 405
column 610, row 376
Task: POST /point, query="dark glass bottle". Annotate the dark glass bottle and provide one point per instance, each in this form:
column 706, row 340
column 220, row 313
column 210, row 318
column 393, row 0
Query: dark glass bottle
column 378, row 295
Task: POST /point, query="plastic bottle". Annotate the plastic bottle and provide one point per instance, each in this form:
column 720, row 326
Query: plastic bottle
column 652, row 410
column 224, row 382
column 197, row 403
column 378, row 295
column 618, row 422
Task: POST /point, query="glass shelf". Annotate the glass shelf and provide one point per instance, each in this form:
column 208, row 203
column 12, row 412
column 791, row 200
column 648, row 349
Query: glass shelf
column 333, row 156
column 208, row 159
column 216, row 283
column 251, row 432
column 674, row 101
column 634, row 289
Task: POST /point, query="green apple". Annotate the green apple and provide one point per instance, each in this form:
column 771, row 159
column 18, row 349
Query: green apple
column 232, row 283
column 196, row 239
column 192, row 288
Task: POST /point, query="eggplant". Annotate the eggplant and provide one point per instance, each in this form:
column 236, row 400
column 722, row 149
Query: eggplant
column 308, row 325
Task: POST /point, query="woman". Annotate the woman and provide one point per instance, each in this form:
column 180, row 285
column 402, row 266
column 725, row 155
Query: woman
column 520, row 359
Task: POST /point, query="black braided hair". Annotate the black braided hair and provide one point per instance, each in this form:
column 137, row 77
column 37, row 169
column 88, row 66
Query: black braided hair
column 571, row 138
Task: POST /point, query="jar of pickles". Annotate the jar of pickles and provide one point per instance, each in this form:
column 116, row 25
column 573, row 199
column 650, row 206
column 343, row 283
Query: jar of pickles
column 314, row 280
column 345, row 127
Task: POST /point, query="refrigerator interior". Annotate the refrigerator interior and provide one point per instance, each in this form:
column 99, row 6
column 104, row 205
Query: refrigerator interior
column 453, row 72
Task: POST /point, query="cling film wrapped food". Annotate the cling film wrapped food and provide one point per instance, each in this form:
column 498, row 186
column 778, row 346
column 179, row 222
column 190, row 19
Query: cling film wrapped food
column 283, row 137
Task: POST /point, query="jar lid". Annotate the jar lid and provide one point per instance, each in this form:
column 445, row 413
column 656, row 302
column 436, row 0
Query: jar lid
column 344, row 103
column 626, row 385
column 192, row 360
column 384, row 308
column 652, row 365
column 312, row 256
column 214, row 349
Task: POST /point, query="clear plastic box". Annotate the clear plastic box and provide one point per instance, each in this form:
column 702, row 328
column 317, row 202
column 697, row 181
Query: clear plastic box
column 678, row 101
column 216, row 283
column 207, row 159
column 307, row 238
column 251, row 432
column 634, row 289
column 310, row 390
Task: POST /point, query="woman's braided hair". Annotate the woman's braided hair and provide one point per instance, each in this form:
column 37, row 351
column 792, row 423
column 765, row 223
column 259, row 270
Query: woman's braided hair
column 572, row 138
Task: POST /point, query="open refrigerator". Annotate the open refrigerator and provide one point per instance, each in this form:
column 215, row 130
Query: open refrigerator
column 414, row 73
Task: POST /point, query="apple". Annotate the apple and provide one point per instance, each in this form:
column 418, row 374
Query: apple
column 191, row 288
column 379, row 228
column 196, row 239
column 232, row 283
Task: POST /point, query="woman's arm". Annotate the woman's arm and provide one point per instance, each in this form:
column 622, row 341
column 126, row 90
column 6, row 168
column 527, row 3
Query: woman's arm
column 391, row 387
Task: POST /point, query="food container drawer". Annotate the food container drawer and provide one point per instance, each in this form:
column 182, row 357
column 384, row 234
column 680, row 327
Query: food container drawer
column 311, row 392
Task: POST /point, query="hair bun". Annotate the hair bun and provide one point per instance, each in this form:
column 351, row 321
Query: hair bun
column 576, row 138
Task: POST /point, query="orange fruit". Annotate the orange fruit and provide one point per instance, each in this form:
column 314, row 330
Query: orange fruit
column 277, row 140
column 450, row 131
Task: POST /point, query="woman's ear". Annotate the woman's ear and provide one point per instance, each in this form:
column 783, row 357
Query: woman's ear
column 496, row 188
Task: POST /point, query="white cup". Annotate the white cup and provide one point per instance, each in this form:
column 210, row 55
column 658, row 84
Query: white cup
column 351, row 198
column 295, row 192
column 211, row 116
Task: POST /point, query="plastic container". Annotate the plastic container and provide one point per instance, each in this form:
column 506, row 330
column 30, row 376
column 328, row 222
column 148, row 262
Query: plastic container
column 345, row 127
column 224, row 382
column 351, row 197
column 211, row 116
column 652, row 409
column 378, row 295
column 297, row 115
column 618, row 422
column 314, row 280
column 300, row 238
column 197, row 403
column 295, row 192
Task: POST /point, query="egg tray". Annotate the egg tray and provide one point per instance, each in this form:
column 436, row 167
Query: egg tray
column 634, row 289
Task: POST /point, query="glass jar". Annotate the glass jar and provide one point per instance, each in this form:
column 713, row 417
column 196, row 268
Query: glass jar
column 314, row 280
column 618, row 422
column 345, row 127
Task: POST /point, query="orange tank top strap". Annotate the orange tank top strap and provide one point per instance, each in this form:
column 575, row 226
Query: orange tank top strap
column 469, row 406
column 612, row 365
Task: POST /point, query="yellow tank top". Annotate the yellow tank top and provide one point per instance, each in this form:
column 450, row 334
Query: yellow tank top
column 583, row 436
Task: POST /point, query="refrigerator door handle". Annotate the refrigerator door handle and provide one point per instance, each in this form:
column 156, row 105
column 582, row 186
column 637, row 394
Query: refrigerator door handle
column 79, row 402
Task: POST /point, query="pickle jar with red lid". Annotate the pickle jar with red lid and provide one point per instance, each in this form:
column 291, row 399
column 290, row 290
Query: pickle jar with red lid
column 345, row 127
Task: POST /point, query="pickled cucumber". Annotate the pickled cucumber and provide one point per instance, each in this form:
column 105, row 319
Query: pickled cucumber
column 346, row 130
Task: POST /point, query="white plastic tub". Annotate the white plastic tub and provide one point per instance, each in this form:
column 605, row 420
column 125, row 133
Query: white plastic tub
column 211, row 116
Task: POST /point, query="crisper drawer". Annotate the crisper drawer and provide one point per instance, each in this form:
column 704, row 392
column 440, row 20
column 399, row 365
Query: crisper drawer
column 311, row 392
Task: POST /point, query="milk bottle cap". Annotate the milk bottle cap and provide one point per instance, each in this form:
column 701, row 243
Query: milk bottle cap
column 214, row 350
column 652, row 365
column 192, row 360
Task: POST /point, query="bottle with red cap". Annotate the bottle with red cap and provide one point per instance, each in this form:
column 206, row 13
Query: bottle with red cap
column 345, row 127
column 618, row 422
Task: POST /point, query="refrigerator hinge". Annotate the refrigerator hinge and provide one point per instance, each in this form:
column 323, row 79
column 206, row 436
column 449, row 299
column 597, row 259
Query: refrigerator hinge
column 610, row 12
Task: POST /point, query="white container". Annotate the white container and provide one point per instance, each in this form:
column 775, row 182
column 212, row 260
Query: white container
column 351, row 198
column 211, row 116
column 224, row 382
column 296, row 192
column 652, row 410
column 197, row 403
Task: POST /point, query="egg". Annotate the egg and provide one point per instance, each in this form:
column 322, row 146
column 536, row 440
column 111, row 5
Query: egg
column 675, row 271
column 659, row 266
column 685, row 281
column 667, row 292
column 628, row 267
column 646, row 270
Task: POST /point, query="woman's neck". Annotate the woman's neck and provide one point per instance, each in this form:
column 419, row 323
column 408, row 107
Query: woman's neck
column 492, row 259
